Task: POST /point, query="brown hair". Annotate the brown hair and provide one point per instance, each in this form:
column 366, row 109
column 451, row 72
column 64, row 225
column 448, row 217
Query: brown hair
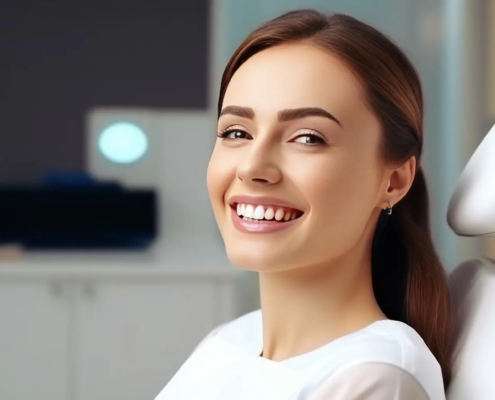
column 409, row 282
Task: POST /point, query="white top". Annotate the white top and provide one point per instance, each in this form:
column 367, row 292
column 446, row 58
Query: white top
column 385, row 360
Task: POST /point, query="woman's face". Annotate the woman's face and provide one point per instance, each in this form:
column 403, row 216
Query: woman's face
column 299, row 161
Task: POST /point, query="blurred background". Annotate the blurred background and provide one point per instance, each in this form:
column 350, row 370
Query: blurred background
column 111, row 266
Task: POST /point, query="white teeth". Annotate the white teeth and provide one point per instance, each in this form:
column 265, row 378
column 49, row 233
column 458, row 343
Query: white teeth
column 259, row 213
column 248, row 211
column 269, row 214
column 279, row 214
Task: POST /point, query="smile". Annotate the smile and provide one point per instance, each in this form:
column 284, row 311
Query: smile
column 263, row 218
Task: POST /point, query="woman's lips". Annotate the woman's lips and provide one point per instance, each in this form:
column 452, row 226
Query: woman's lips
column 259, row 227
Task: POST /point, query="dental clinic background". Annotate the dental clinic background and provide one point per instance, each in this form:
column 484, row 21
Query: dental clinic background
column 111, row 265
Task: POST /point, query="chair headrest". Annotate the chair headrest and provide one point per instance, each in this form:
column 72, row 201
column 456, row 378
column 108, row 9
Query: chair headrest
column 472, row 206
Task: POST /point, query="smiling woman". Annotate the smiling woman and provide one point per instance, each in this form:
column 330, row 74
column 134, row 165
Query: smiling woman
column 316, row 185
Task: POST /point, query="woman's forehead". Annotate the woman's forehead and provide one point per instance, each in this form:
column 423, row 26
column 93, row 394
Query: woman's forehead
column 292, row 76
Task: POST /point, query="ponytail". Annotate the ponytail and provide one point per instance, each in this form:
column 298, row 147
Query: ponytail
column 409, row 282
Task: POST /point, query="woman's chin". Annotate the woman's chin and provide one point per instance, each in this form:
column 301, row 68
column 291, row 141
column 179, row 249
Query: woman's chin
column 258, row 260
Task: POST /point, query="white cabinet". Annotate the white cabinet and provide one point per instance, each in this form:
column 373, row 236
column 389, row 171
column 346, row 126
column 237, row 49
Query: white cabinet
column 33, row 341
column 91, row 338
column 132, row 337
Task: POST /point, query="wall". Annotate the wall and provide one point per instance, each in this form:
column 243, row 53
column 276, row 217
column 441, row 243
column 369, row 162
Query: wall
column 60, row 59
column 488, row 108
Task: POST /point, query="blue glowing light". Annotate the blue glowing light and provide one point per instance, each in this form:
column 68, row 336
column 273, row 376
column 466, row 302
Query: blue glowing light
column 123, row 143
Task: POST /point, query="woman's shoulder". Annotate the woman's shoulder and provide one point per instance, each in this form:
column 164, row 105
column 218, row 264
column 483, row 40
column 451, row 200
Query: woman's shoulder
column 373, row 381
column 244, row 331
column 394, row 346
column 392, row 342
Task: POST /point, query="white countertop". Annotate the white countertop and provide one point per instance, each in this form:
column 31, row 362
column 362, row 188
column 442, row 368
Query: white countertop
column 117, row 265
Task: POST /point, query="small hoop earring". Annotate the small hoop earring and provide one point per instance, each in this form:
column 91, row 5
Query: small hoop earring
column 389, row 209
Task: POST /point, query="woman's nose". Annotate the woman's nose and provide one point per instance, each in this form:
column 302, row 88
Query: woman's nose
column 259, row 165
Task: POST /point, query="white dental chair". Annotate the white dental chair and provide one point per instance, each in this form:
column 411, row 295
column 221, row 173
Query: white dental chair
column 472, row 213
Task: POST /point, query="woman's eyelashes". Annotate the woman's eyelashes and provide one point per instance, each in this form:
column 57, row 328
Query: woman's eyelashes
column 233, row 134
column 305, row 139
column 310, row 139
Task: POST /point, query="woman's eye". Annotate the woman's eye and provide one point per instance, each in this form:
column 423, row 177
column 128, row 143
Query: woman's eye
column 232, row 134
column 309, row 139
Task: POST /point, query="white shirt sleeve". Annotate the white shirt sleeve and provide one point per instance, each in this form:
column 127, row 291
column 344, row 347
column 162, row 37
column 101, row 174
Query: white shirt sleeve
column 371, row 381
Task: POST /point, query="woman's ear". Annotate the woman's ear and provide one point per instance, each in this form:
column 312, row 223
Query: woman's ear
column 400, row 181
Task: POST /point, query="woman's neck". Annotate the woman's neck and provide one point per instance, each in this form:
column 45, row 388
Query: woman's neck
column 307, row 307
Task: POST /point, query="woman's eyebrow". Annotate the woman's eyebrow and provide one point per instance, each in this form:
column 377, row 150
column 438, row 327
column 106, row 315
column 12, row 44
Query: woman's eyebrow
column 243, row 112
column 283, row 115
column 297, row 113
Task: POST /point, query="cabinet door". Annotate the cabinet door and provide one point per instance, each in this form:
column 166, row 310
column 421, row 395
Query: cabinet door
column 33, row 341
column 133, row 337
